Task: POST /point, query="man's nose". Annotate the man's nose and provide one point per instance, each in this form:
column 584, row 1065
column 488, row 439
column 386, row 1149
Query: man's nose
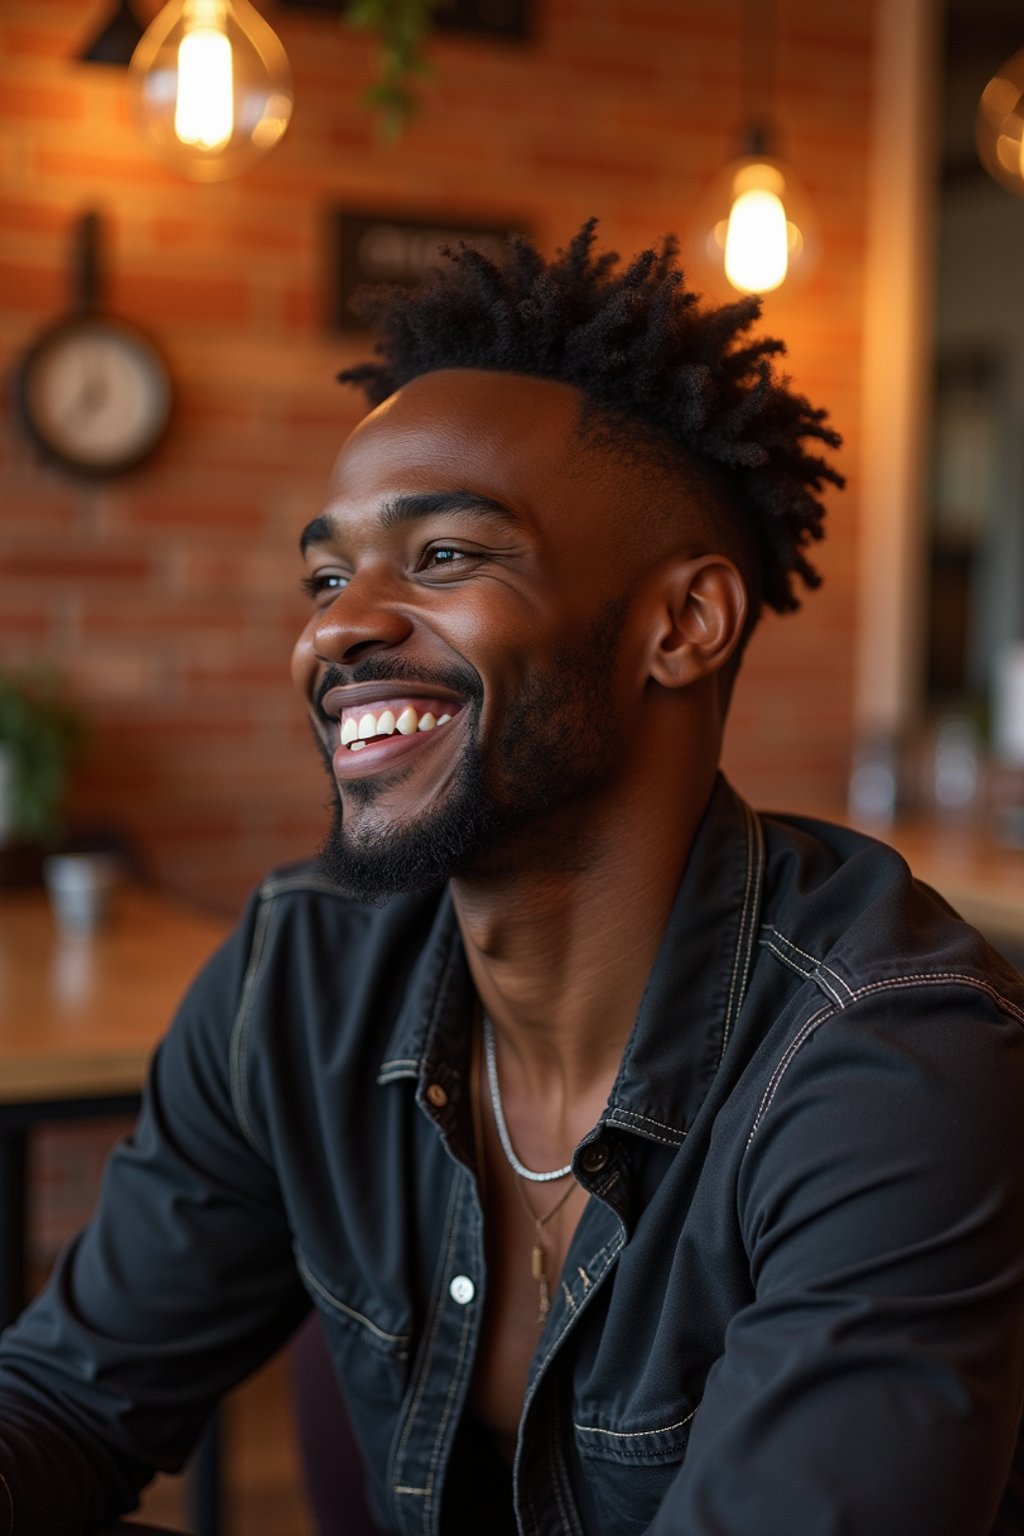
column 364, row 617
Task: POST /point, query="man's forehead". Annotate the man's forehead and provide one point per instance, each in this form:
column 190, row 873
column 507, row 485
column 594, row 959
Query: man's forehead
column 474, row 416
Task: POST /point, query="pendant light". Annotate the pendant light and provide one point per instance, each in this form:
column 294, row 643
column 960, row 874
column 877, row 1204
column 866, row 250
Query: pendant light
column 211, row 86
column 754, row 228
column 999, row 125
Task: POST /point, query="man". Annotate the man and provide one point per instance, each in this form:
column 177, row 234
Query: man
column 653, row 1166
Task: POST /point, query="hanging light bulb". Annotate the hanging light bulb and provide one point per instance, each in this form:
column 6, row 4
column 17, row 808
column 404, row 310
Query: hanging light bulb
column 756, row 246
column 999, row 125
column 212, row 87
column 754, row 228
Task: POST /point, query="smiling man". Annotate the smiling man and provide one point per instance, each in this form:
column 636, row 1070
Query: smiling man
column 653, row 1165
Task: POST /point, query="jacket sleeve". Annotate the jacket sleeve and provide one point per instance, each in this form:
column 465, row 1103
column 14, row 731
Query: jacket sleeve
column 873, row 1385
column 182, row 1283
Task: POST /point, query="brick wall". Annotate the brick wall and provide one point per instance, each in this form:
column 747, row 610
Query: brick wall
column 169, row 598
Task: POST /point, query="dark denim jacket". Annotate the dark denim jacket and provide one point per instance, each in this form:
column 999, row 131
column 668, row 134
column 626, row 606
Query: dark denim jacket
column 794, row 1305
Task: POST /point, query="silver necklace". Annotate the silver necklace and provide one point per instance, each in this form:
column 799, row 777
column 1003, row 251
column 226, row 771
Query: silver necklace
column 499, row 1117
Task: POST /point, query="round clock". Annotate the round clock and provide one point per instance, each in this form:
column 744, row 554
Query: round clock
column 94, row 394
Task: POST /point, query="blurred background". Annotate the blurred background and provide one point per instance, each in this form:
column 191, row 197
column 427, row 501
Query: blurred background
column 167, row 596
column 148, row 559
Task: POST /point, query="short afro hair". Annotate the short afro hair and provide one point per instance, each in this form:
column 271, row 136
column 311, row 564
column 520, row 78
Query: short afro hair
column 640, row 347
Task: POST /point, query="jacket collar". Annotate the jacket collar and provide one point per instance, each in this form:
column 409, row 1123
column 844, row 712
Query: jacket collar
column 688, row 1010
column 699, row 978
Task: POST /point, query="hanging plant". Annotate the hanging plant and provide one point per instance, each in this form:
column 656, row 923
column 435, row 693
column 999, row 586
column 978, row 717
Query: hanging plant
column 402, row 28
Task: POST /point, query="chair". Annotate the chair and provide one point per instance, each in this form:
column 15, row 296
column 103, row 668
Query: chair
column 332, row 1462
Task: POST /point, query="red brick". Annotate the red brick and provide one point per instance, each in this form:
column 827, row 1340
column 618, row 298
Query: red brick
column 29, row 217
column 179, row 586
column 31, row 289
column 34, row 100
column 56, row 565
column 166, row 300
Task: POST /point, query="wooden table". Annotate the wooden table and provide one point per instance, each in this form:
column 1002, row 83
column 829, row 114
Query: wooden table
column 80, row 1013
column 79, row 1016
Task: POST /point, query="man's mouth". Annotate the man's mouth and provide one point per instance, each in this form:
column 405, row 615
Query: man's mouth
column 359, row 724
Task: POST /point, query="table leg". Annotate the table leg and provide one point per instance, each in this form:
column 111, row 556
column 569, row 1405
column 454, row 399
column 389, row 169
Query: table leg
column 12, row 1223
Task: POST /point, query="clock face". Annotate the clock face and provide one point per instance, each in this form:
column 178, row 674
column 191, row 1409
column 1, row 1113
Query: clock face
column 95, row 395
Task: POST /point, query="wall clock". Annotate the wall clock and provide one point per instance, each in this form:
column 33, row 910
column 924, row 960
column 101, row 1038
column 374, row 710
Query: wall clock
column 94, row 394
column 93, row 391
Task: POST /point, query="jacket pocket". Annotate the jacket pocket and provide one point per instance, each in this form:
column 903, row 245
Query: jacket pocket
column 628, row 1471
column 370, row 1359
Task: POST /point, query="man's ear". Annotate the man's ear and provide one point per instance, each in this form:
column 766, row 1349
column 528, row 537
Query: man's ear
column 701, row 616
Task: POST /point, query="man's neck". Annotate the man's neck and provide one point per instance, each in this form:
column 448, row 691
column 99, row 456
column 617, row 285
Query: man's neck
column 560, row 958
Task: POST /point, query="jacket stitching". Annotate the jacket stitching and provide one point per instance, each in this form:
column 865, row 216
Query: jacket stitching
column 794, row 965
column 806, row 1029
column 634, row 1434
column 401, row 1339
column 454, row 1381
column 815, row 976
column 395, row 1071
column 927, row 980
column 239, row 1049
column 674, row 1138
column 428, row 1353
column 745, row 932
column 783, row 939
column 818, row 964
column 891, row 984
column 597, row 1271
column 819, row 972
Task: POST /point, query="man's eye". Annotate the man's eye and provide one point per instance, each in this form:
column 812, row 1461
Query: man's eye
column 436, row 556
column 323, row 583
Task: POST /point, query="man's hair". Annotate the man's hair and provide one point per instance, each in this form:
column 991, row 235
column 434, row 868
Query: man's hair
column 643, row 352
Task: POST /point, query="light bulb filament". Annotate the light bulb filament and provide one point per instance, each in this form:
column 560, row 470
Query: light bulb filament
column 204, row 108
column 757, row 241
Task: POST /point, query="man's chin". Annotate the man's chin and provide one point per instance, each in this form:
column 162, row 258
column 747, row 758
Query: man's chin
column 380, row 862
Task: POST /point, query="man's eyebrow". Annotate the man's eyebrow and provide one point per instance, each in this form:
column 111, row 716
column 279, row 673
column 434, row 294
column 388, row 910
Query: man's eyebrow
column 320, row 531
column 404, row 509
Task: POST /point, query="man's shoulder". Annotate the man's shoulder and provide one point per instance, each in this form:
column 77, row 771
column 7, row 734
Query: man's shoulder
column 848, row 906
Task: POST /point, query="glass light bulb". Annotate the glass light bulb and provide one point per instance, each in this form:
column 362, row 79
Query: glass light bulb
column 752, row 229
column 756, row 244
column 756, row 236
column 212, row 87
column 203, row 110
column 999, row 125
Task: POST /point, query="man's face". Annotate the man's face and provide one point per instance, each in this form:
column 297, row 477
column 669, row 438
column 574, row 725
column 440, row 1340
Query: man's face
column 468, row 663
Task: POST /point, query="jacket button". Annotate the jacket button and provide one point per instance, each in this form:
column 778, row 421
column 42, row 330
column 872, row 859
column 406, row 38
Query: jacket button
column 437, row 1096
column 594, row 1157
column 462, row 1290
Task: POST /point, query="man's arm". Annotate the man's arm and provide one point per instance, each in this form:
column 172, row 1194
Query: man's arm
column 873, row 1387
column 182, row 1283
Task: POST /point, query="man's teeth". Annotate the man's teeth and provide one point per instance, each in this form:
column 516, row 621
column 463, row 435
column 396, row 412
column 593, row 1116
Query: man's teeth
column 356, row 733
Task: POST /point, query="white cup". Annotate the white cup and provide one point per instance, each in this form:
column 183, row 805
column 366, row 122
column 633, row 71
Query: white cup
column 79, row 887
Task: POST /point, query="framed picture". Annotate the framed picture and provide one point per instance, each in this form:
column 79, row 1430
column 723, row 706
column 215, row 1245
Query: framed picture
column 370, row 248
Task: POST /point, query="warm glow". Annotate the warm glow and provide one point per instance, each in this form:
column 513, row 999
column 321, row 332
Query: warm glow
column 203, row 111
column 757, row 236
column 211, row 86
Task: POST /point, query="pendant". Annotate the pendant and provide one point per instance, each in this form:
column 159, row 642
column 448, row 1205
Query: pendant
column 539, row 1270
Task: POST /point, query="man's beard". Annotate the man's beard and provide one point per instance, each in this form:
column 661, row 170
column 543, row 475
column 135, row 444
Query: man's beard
column 556, row 745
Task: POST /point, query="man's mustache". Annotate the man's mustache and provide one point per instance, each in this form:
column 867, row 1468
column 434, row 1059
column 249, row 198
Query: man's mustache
column 383, row 669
